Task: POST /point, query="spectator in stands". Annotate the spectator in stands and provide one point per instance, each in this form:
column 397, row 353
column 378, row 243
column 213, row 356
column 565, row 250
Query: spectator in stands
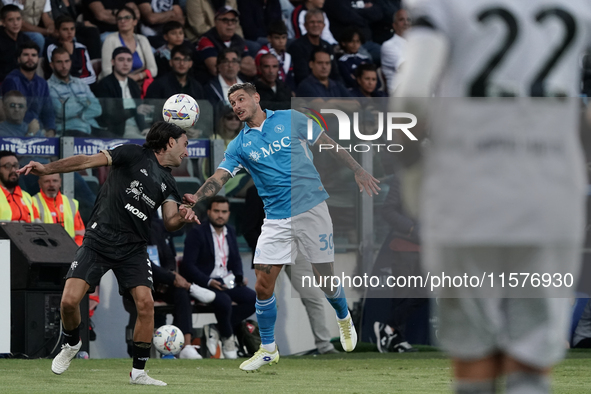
column 393, row 50
column 37, row 22
column 122, row 116
column 74, row 104
column 173, row 35
column 11, row 37
column 33, row 87
column 144, row 64
column 298, row 17
column 228, row 66
column 210, row 258
column 81, row 67
column 154, row 14
column 277, row 46
column 366, row 76
column 101, row 13
column 223, row 35
column 15, row 108
column 256, row 16
column 54, row 207
column 350, row 43
column 275, row 94
column 318, row 83
column 179, row 79
column 302, row 48
column 201, row 17
column 86, row 33
column 16, row 205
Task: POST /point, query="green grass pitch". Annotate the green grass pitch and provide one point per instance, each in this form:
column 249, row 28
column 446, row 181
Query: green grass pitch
column 423, row 372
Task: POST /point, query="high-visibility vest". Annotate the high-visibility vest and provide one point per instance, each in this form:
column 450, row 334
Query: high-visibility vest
column 6, row 211
column 70, row 208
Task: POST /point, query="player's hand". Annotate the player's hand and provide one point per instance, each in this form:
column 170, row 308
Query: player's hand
column 366, row 182
column 32, row 168
column 187, row 214
column 181, row 282
column 189, row 199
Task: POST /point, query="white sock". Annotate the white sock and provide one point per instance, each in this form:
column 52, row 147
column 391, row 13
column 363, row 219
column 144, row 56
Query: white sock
column 270, row 347
column 135, row 373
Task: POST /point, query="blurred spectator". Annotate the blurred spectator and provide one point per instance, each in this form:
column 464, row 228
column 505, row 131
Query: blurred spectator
column 201, row 17
column 144, row 64
column 11, row 37
column 382, row 29
column 222, row 35
column 15, row 108
column 86, row 33
column 318, row 84
column 275, row 94
column 257, row 15
column 16, row 205
column 393, row 50
column 277, row 46
column 101, row 13
column 121, row 115
column 302, row 48
column 366, row 76
column 37, row 22
column 74, row 104
column 33, row 87
column 154, row 14
column 211, row 259
column 298, row 17
column 81, row 65
column 54, row 207
column 179, row 79
column 173, row 35
column 350, row 43
column 228, row 65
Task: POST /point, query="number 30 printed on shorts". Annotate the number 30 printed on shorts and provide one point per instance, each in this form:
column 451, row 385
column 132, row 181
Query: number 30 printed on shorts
column 326, row 242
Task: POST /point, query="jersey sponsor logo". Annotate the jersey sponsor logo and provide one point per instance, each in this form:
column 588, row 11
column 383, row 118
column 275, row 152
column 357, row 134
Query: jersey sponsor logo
column 254, row 156
column 148, row 201
column 136, row 189
column 136, row 212
column 143, row 171
column 272, row 148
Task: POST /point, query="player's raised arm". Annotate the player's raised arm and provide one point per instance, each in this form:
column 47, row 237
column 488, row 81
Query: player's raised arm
column 210, row 188
column 364, row 179
column 175, row 216
column 69, row 164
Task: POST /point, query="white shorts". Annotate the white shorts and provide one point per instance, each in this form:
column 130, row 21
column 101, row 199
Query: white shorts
column 309, row 233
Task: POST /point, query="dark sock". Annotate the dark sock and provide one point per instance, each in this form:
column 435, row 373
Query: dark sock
column 475, row 387
column 72, row 336
column 527, row 383
column 141, row 354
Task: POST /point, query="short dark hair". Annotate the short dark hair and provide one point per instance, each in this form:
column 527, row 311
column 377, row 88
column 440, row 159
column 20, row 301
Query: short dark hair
column 128, row 9
column 363, row 68
column 315, row 11
column 247, row 87
column 6, row 153
column 277, row 27
column 13, row 93
column 58, row 51
column 60, row 20
column 268, row 54
column 217, row 199
column 222, row 54
column 9, row 8
column 160, row 133
column 349, row 33
column 119, row 50
column 171, row 25
column 319, row 50
column 183, row 50
column 27, row 45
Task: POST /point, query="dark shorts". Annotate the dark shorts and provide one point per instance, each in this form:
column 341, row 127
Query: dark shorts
column 131, row 271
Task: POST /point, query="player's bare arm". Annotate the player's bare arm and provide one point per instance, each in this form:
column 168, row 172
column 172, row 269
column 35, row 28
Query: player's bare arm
column 175, row 216
column 364, row 179
column 210, row 188
column 69, row 164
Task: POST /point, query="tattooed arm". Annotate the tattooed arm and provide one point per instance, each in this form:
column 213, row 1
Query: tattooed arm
column 363, row 178
column 210, row 188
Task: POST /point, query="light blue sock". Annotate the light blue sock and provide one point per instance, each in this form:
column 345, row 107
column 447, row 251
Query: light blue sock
column 339, row 302
column 266, row 316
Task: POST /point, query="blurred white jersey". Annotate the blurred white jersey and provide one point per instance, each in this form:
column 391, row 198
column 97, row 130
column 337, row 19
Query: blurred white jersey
column 505, row 165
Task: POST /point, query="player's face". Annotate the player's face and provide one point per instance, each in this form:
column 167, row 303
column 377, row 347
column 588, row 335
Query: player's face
column 13, row 22
column 181, row 64
column 219, row 214
column 269, row 69
column 401, row 22
column 15, row 109
column 175, row 37
column 50, row 184
column 29, row 59
column 321, row 66
column 67, row 32
column 61, row 65
column 244, row 105
column 226, row 25
column 230, row 66
column 368, row 81
column 278, row 42
column 314, row 24
column 353, row 45
column 8, row 175
column 179, row 150
column 122, row 64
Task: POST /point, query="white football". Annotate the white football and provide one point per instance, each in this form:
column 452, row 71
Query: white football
column 182, row 110
column 169, row 339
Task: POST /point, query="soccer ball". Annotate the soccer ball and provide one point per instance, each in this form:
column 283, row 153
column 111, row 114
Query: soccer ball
column 169, row 339
column 182, row 110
